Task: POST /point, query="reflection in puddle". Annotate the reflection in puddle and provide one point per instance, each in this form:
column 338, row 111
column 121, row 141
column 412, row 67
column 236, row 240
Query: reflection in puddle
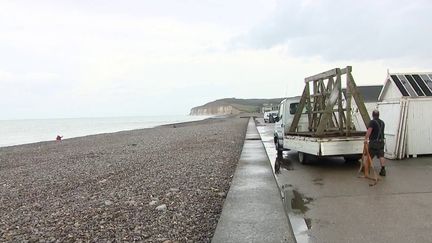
column 298, row 202
column 281, row 162
column 277, row 166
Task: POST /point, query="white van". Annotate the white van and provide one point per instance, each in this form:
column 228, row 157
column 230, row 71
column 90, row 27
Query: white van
column 285, row 116
column 267, row 115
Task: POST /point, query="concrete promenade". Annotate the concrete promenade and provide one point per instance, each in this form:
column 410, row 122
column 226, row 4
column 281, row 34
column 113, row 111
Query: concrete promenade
column 253, row 210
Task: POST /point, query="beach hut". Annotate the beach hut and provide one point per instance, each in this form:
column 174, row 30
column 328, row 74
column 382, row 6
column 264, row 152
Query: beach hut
column 405, row 104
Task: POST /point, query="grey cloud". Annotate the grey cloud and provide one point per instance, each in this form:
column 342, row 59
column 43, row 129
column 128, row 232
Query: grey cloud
column 346, row 30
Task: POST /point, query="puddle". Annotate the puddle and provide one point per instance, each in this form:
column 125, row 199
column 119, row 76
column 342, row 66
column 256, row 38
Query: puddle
column 287, row 164
column 296, row 206
column 298, row 202
column 280, row 162
column 277, row 165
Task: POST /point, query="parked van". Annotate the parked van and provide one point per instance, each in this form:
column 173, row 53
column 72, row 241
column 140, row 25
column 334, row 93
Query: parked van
column 267, row 118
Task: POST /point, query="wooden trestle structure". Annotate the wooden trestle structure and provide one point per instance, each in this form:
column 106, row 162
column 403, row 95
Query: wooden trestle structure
column 329, row 112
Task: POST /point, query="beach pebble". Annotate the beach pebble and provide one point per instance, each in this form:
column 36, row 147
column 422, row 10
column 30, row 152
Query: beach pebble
column 108, row 202
column 161, row 207
column 152, row 203
column 131, row 203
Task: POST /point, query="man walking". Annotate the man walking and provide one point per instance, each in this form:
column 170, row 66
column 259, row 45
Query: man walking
column 375, row 137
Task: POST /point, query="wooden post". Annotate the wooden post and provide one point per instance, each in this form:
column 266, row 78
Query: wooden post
column 340, row 107
column 299, row 111
column 358, row 100
column 348, row 105
column 309, row 107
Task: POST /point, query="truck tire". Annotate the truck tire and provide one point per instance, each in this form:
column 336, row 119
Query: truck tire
column 303, row 158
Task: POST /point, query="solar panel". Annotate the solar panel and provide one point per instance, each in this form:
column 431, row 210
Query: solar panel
column 407, row 86
column 427, row 80
column 399, row 85
column 422, row 85
column 415, row 86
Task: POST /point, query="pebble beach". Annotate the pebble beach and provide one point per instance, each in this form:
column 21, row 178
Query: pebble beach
column 163, row 184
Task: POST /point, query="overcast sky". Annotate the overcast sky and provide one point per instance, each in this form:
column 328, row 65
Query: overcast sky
column 84, row 58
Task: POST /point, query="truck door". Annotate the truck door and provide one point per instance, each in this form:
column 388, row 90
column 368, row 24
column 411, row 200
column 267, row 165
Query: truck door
column 279, row 125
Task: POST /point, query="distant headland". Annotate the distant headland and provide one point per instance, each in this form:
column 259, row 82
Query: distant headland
column 228, row 106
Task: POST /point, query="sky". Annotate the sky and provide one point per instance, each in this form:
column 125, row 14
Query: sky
column 97, row 58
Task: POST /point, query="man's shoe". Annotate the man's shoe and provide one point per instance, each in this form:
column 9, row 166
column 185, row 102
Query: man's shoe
column 382, row 172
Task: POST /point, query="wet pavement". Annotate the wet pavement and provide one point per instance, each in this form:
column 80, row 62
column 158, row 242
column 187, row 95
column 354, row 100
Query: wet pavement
column 327, row 202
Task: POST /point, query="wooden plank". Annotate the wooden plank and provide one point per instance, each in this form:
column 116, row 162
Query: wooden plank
column 308, row 107
column 330, row 85
column 328, row 74
column 358, row 98
column 340, row 106
column 315, row 98
column 299, row 111
column 322, row 111
column 348, row 106
column 327, row 134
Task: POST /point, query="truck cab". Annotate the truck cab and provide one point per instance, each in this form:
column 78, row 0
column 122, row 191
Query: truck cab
column 285, row 116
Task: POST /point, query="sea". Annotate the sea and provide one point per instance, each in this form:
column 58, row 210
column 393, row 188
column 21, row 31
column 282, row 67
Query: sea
column 16, row 132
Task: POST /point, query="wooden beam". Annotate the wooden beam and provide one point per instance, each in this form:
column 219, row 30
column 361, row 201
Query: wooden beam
column 328, row 74
column 348, row 104
column 340, row 107
column 358, row 98
column 308, row 107
column 299, row 111
column 315, row 105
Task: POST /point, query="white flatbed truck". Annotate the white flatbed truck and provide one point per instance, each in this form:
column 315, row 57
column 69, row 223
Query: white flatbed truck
column 310, row 124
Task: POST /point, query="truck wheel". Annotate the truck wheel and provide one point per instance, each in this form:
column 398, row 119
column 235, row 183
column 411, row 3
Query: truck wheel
column 302, row 157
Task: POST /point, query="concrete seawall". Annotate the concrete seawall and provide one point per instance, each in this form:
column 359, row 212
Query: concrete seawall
column 253, row 210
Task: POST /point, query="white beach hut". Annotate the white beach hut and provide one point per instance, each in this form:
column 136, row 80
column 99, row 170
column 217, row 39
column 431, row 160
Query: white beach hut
column 405, row 105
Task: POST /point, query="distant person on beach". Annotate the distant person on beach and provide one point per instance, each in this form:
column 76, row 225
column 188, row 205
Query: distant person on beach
column 375, row 138
column 59, row 138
